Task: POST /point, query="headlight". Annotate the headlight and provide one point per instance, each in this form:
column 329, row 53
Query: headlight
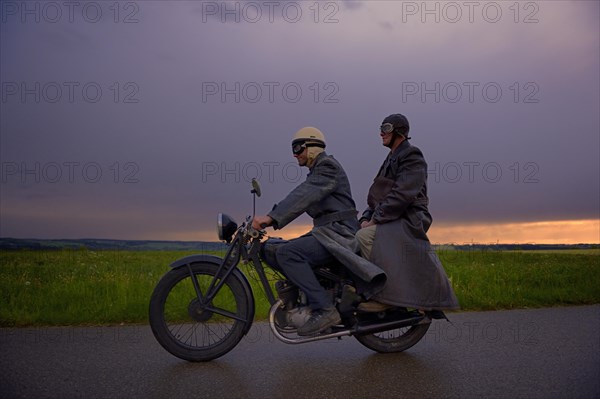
column 225, row 227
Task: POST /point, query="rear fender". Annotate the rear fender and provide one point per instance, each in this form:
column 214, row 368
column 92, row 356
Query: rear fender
column 215, row 260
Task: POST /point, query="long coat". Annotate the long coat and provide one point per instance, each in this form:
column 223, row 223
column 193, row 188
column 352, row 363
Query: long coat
column 325, row 196
column 415, row 275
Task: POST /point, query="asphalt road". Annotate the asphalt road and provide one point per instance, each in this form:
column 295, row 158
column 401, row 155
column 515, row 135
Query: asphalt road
column 542, row 353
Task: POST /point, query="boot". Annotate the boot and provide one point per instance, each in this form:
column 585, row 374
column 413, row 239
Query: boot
column 320, row 319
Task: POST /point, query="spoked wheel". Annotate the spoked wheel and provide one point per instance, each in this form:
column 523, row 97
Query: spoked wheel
column 397, row 340
column 193, row 328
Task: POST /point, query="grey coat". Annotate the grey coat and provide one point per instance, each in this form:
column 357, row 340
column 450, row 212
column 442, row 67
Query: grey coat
column 326, row 197
column 415, row 275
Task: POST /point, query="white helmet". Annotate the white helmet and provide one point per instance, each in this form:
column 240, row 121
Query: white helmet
column 311, row 136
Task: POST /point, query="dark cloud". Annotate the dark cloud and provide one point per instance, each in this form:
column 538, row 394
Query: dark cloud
column 149, row 128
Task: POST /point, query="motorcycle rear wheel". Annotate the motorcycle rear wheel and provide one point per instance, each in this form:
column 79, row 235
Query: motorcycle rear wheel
column 190, row 330
column 397, row 340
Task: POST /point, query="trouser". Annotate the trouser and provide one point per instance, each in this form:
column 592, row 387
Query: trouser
column 297, row 259
column 365, row 238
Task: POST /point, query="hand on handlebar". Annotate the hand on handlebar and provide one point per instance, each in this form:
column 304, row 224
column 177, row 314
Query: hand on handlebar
column 260, row 222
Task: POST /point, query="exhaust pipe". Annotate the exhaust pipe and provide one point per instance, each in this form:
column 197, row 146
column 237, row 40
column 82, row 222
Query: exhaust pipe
column 363, row 329
column 376, row 327
column 299, row 340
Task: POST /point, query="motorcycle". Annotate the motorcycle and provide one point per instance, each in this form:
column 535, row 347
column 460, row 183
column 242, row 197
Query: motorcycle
column 204, row 306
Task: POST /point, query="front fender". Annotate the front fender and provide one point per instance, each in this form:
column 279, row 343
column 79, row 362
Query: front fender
column 215, row 260
column 196, row 259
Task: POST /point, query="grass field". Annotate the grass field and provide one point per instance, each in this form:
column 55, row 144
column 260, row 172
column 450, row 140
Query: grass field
column 83, row 287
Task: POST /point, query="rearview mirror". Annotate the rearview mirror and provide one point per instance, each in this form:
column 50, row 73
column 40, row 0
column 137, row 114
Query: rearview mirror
column 255, row 187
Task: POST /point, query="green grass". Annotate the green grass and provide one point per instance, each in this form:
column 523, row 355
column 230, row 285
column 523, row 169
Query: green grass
column 506, row 280
column 82, row 287
column 85, row 287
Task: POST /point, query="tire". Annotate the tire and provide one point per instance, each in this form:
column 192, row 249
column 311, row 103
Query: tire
column 397, row 340
column 185, row 328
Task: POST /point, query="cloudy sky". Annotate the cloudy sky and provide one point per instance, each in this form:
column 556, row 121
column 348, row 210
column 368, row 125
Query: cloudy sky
column 143, row 120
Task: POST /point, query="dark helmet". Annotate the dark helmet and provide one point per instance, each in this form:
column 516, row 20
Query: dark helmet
column 399, row 124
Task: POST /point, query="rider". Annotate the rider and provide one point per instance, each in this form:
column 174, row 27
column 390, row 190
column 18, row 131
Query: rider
column 393, row 232
column 326, row 197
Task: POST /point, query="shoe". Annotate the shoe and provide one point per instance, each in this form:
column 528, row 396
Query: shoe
column 373, row 307
column 320, row 319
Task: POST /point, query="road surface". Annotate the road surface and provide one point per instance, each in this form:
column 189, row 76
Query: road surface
column 541, row 353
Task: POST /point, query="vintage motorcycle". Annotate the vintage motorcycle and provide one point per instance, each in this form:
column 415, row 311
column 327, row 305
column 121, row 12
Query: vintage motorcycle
column 204, row 305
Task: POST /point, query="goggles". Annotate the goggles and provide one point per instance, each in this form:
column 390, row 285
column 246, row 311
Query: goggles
column 387, row 128
column 298, row 148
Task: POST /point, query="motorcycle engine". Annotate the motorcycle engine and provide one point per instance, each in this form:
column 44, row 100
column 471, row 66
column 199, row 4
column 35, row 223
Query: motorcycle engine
column 295, row 312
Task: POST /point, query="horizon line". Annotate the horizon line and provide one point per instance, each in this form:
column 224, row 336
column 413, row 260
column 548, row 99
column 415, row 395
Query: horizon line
column 224, row 243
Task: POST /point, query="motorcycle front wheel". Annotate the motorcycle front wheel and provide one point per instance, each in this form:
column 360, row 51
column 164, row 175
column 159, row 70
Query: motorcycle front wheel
column 397, row 340
column 188, row 327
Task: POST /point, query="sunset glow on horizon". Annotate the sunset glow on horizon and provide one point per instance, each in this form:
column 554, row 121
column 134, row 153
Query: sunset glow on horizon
column 545, row 232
